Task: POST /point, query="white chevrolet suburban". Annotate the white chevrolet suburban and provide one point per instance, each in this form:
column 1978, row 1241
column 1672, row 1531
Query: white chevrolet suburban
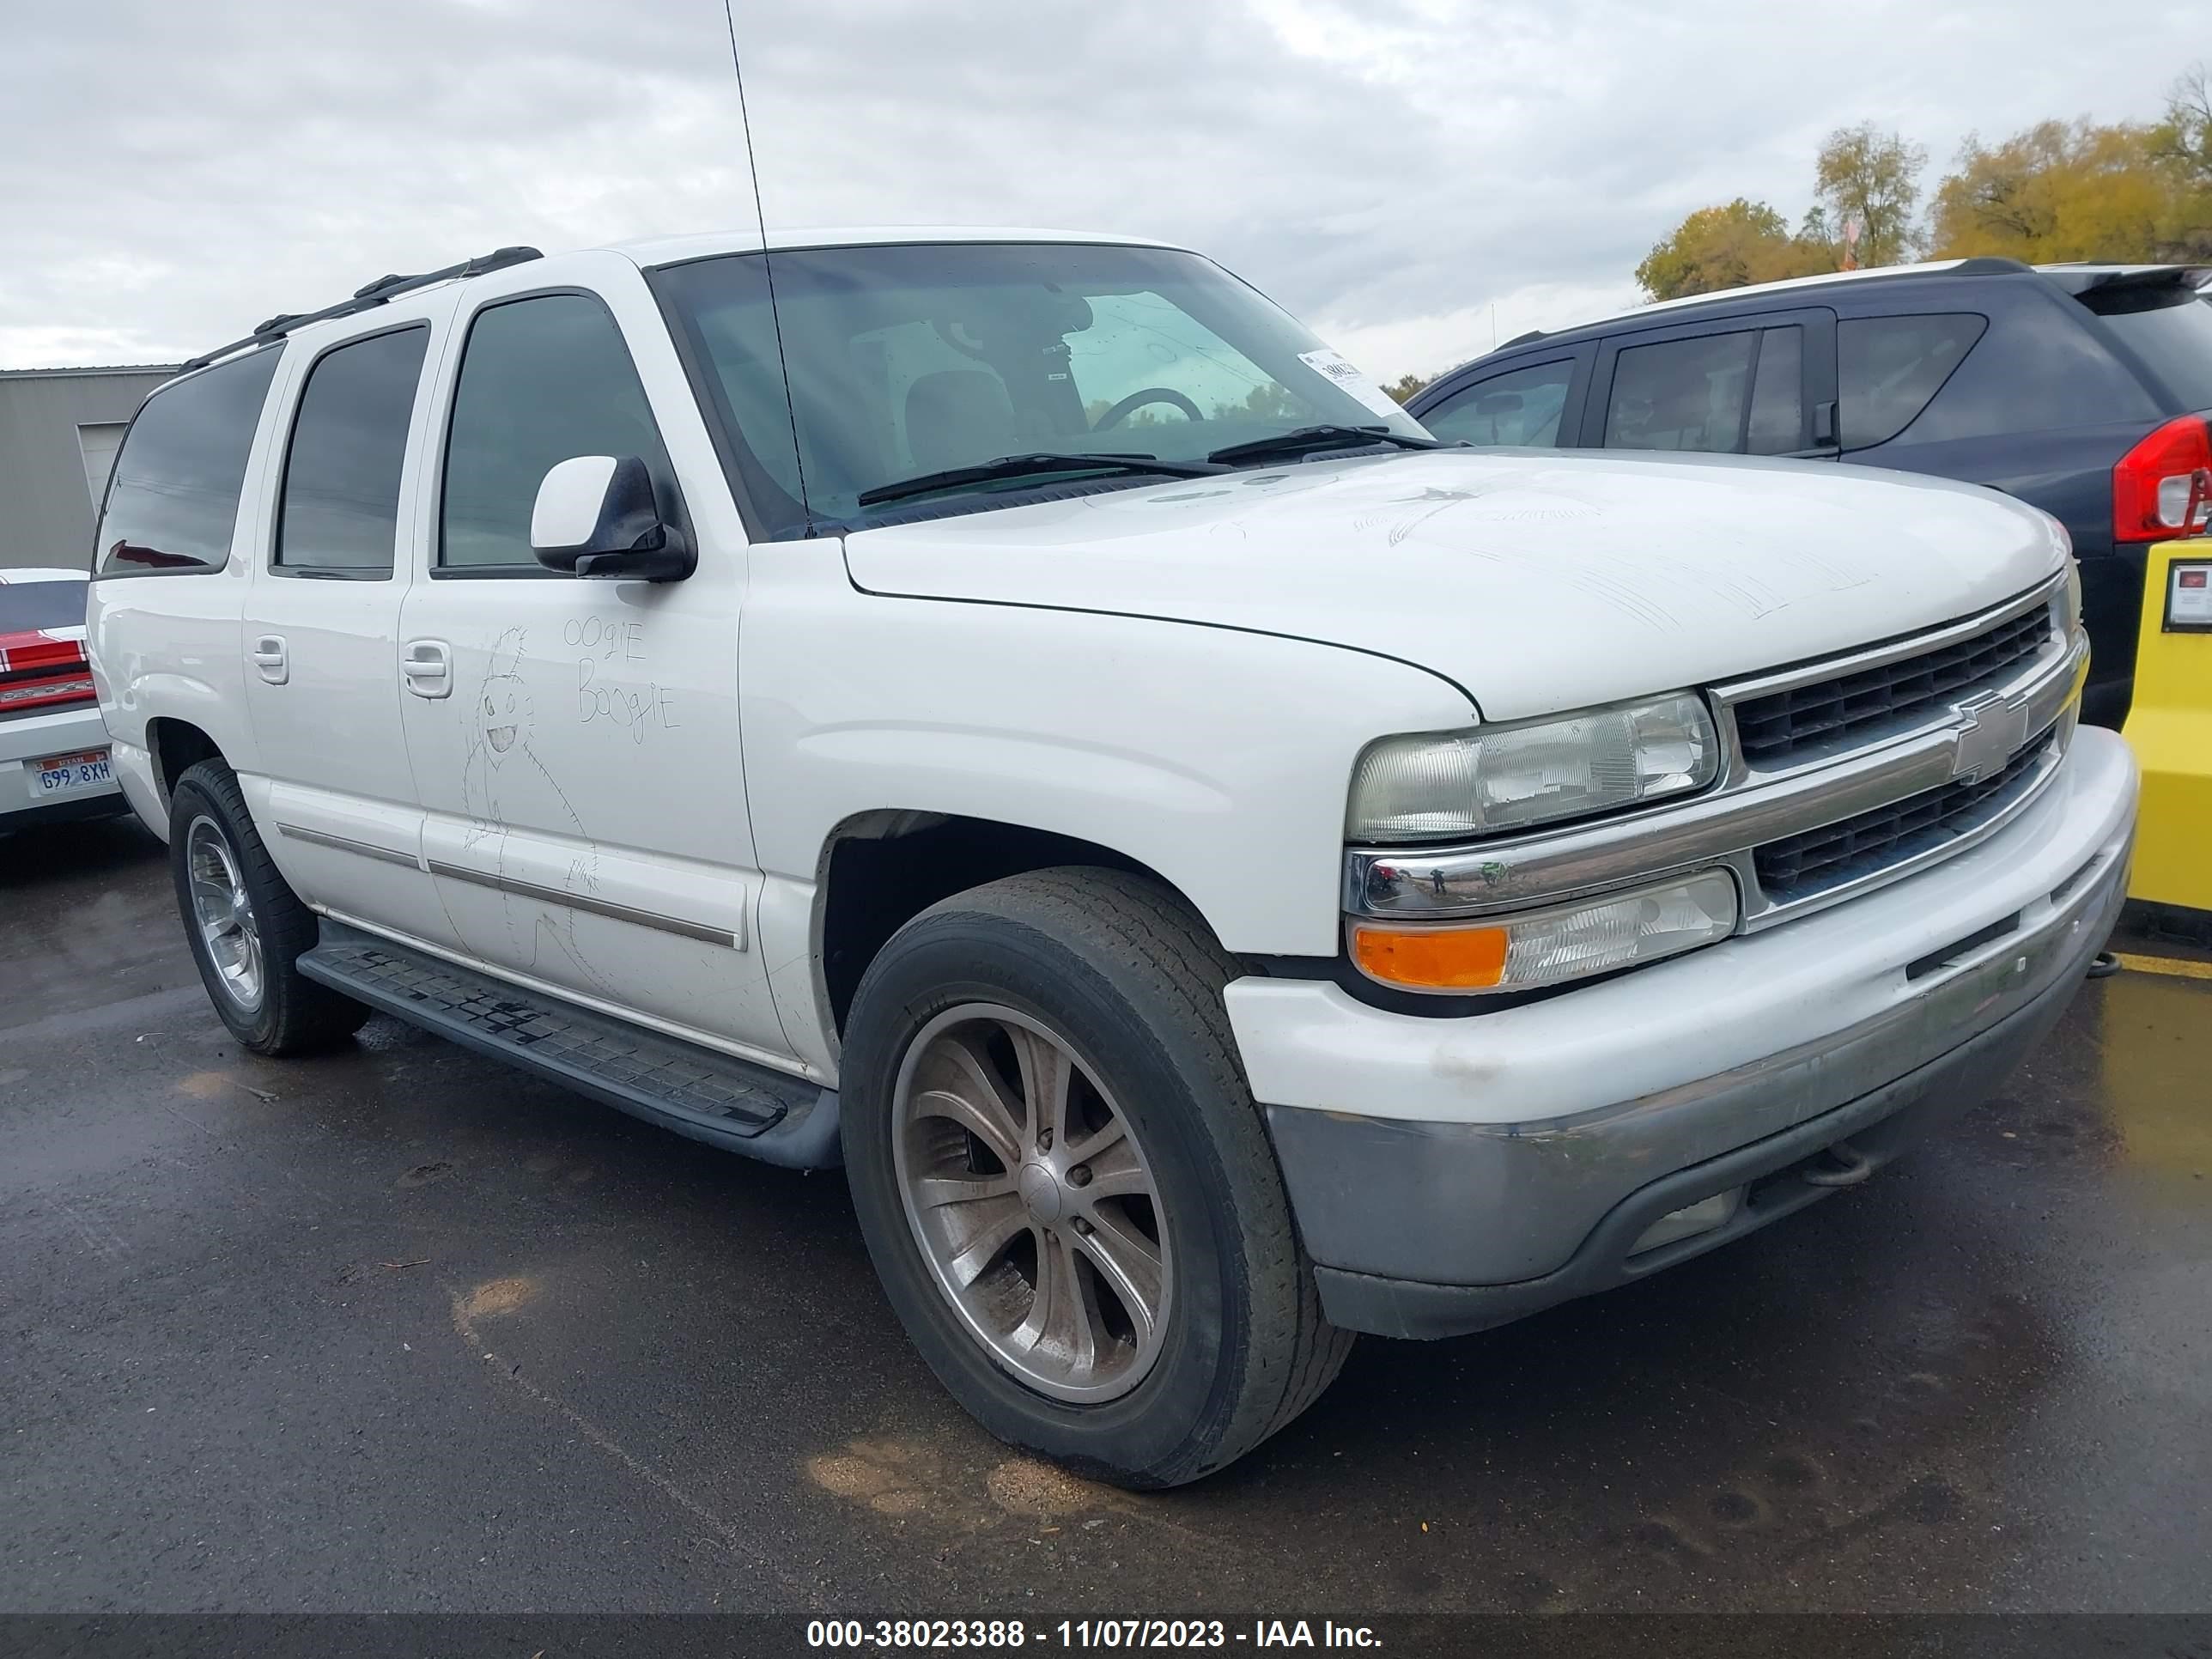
column 1015, row 715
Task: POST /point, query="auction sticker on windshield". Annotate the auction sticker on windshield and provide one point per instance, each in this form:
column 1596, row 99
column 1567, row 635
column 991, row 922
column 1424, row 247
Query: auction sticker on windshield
column 1349, row 376
column 60, row 773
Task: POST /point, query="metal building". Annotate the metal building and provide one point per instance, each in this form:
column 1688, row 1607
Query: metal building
column 58, row 432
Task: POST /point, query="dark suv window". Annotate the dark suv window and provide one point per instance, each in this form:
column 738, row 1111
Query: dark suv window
column 544, row 380
column 2169, row 328
column 1887, row 368
column 1521, row 406
column 339, row 513
column 172, row 501
column 2040, row 372
column 1722, row 393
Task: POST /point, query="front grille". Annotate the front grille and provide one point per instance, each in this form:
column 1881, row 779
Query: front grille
column 1799, row 866
column 1773, row 728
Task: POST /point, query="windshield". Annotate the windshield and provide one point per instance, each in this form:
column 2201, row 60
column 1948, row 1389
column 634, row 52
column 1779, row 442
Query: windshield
column 912, row 360
column 2169, row 328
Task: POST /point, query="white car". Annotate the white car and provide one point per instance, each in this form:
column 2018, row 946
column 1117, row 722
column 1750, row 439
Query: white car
column 1016, row 715
column 53, row 748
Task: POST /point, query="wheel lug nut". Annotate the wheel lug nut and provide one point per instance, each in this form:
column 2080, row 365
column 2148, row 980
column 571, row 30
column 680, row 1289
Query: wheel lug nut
column 1082, row 1227
column 1079, row 1175
column 1044, row 1141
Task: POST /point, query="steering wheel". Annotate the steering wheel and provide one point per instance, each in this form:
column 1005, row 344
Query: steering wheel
column 1136, row 400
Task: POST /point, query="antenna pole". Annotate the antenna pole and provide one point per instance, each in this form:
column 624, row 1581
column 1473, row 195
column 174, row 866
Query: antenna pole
column 767, row 264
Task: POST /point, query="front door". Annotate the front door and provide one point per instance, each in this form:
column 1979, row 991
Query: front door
column 574, row 742
column 334, row 794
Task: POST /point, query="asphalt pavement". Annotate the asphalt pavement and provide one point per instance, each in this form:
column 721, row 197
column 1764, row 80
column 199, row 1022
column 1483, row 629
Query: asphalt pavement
column 398, row 1330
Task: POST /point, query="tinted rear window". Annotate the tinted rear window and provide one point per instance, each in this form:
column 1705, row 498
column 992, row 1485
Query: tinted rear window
column 1680, row 394
column 2038, row 370
column 173, row 502
column 1887, row 368
column 338, row 513
column 1724, row 393
column 2169, row 328
column 27, row 607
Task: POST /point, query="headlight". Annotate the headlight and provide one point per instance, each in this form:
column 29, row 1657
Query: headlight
column 1545, row 947
column 1442, row 785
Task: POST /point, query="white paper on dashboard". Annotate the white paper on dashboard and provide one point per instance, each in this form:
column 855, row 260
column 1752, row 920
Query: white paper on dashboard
column 1349, row 377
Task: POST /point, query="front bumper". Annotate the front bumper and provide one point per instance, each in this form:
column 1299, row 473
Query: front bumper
column 1450, row 1175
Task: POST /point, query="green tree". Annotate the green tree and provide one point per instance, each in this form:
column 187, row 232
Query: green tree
column 1871, row 177
column 2181, row 148
column 1726, row 247
column 2068, row 191
column 1403, row 388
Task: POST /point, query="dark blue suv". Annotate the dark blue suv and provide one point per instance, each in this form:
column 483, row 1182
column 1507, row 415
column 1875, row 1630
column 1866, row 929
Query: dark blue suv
column 2083, row 389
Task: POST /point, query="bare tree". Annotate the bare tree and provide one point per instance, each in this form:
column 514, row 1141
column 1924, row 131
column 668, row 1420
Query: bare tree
column 1872, row 177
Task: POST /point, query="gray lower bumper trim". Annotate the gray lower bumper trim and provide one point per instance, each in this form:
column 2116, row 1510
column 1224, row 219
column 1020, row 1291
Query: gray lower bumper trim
column 1879, row 1126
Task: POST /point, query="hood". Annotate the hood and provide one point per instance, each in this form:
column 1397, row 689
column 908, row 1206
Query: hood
column 1535, row 582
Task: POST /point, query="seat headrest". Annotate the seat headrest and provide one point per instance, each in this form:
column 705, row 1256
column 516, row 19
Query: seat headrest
column 956, row 417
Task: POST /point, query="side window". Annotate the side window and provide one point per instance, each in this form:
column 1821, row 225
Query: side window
column 173, row 502
column 1521, row 406
column 1681, row 394
column 338, row 514
column 2042, row 372
column 542, row 379
column 1888, row 368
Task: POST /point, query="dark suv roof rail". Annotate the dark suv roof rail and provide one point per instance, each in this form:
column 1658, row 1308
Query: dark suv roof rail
column 1980, row 265
column 370, row 294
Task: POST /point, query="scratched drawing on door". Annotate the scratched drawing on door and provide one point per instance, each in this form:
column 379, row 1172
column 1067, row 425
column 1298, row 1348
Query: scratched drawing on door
column 505, row 783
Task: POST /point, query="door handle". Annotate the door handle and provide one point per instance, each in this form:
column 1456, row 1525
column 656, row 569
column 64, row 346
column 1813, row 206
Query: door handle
column 428, row 668
column 271, row 659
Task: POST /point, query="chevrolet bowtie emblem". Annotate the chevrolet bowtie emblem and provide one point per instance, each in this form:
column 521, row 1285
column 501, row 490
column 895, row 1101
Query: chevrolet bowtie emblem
column 1991, row 730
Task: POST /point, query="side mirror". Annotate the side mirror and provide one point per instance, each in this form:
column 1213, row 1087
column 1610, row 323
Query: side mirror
column 595, row 516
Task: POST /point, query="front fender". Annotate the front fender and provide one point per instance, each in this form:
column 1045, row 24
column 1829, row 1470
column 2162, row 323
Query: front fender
column 1219, row 758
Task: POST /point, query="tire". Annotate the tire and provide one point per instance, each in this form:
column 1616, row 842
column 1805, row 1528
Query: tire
column 248, row 968
column 1121, row 976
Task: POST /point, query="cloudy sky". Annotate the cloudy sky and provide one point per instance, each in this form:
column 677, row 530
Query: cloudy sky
column 173, row 171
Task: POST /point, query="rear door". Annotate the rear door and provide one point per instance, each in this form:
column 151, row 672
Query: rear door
column 1763, row 384
column 335, row 796
column 575, row 741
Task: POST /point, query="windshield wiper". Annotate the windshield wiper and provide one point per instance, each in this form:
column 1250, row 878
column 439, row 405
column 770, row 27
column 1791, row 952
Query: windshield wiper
column 1300, row 439
column 1021, row 466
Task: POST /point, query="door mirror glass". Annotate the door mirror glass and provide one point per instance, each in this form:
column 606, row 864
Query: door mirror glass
column 595, row 516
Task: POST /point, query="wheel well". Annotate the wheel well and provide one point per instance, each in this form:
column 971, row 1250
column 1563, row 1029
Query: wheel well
column 177, row 744
column 884, row 869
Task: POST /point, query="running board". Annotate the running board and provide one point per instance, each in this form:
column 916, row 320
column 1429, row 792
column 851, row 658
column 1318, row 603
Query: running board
column 710, row 1097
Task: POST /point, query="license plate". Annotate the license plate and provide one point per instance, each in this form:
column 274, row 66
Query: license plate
column 60, row 773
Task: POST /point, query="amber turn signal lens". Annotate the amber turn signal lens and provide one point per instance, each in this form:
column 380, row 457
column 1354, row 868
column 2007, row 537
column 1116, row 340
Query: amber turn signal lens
column 1432, row 958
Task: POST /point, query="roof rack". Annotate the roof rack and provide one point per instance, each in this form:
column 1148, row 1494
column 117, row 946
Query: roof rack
column 370, row 294
column 1980, row 265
